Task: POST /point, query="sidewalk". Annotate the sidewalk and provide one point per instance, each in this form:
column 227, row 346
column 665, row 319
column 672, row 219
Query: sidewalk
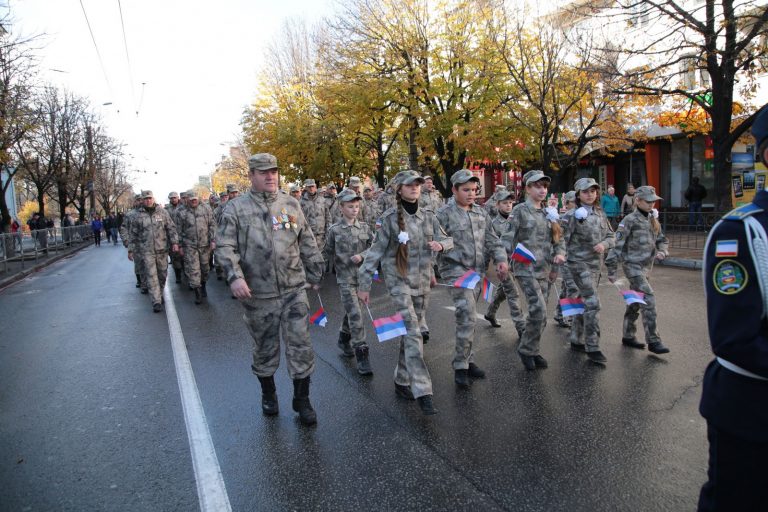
column 17, row 269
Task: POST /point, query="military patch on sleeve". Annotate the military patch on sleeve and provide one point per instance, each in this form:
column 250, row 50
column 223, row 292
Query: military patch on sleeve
column 729, row 277
column 727, row 248
column 619, row 235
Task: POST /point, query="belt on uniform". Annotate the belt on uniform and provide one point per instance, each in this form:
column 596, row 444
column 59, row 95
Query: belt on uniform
column 738, row 369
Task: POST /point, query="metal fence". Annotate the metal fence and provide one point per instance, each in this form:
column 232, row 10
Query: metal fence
column 686, row 230
column 27, row 247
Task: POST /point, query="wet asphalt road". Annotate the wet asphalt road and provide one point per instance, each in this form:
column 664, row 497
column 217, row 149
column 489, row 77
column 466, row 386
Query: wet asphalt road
column 91, row 419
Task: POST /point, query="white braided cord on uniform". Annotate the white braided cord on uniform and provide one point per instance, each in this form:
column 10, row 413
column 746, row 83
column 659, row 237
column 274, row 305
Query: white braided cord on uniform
column 758, row 248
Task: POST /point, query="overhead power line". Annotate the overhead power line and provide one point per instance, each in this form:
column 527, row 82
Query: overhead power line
column 127, row 56
column 96, row 47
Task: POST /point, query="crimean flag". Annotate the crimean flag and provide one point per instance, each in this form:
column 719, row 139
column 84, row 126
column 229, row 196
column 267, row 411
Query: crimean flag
column 633, row 297
column 487, row 290
column 319, row 318
column 390, row 327
column 572, row 307
column 523, row 254
column 468, row 280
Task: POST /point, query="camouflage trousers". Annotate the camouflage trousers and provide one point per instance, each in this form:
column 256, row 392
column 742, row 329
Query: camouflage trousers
column 465, row 302
column 196, row 265
column 585, row 326
column 533, row 291
column 508, row 290
column 177, row 261
column 155, row 266
column 423, row 327
column 270, row 319
column 411, row 370
column 138, row 269
column 640, row 284
column 353, row 316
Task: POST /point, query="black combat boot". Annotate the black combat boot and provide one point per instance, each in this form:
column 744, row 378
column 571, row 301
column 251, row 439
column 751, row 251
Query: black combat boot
column 426, row 405
column 138, row 281
column 203, row 291
column 178, row 274
column 198, row 297
column 633, row 343
column 492, row 319
column 363, row 364
column 475, row 372
column 301, row 401
column 345, row 344
column 268, row 396
column 461, row 377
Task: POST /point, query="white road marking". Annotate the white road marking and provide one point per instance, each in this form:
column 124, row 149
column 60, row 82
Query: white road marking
column 478, row 315
column 211, row 491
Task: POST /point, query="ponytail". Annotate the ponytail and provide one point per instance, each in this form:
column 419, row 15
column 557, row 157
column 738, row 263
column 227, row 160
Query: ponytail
column 557, row 231
column 655, row 226
column 401, row 257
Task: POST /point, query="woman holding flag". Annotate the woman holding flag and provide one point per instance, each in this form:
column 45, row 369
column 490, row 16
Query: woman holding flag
column 404, row 242
column 587, row 237
column 533, row 236
column 463, row 266
column 639, row 242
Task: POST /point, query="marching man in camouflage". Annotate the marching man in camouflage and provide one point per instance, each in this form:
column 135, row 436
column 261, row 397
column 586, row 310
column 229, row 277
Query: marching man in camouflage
column 151, row 233
column 269, row 254
column 639, row 242
column 314, row 207
column 141, row 280
column 430, row 197
column 346, row 243
column 507, row 288
column 196, row 232
column 371, row 208
column 356, row 186
column 177, row 260
column 473, row 237
column 490, row 204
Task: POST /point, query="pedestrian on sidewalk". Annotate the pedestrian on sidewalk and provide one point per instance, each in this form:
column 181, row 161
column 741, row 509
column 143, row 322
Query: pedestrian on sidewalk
column 610, row 205
column 628, row 201
column 695, row 194
column 640, row 242
column 404, row 244
column 96, row 226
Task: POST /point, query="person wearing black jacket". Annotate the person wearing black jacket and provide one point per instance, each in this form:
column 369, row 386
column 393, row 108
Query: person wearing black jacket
column 695, row 195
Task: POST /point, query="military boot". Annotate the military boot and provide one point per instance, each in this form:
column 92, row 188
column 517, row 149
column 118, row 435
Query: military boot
column 269, row 404
column 301, row 401
column 198, row 296
column 426, row 405
column 345, row 344
column 178, row 274
column 363, row 364
column 138, row 281
column 461, row 377
column 203, row 291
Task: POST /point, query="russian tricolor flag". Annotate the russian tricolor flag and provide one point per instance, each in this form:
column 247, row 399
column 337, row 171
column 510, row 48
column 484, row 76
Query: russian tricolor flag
column 487, row 290
column 633, row 297
column 319, row 318
column 390, row 327
column 468, row 280
column 376, row 276
column 523, row 254
column 572, row 307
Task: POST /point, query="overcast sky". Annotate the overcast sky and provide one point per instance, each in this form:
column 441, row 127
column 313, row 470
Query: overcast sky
column 198, row 59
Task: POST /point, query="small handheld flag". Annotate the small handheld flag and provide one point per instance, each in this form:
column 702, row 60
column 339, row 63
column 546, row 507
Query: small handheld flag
column 572, row 307
column 523, row 254
column 487, row 290
column 633, row 297
column 468, row 280
column 376, row 276
column 390, row 327
column 319, row 318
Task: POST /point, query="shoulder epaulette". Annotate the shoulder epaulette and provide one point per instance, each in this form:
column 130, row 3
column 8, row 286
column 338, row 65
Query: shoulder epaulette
column 389, row 211
column 742, row 212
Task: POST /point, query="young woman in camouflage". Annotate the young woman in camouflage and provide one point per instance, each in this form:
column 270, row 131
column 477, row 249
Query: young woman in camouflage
column 587, row 237
column 404, row 243
column 639, row 241
column 569, row 204
column 530, row 227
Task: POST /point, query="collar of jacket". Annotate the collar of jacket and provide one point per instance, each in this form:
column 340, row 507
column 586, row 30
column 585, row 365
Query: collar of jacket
column 531, row 206
column 263, row 197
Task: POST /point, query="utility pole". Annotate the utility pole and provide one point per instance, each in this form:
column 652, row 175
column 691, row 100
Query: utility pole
column 91, row 166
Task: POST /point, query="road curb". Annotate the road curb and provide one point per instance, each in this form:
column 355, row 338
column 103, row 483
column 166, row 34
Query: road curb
column 5, row 282
column 681, row 263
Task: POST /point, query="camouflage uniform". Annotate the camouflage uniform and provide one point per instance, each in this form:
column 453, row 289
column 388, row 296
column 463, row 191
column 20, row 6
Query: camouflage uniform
column 371, row 213
column 125, row 228
column 341, row 243
column 265, row 239
column 408, row 291
column 473, row 238
column 151, row 234
column 636, row 247
column 529, row 226
column 507, row 288
column 196, row 231
column 317, row 215
column 581, row 235
column 386, row 200
column 177, row 260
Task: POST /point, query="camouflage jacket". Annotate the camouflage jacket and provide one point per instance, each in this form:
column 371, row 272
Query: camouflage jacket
column 344, row 241
column 218, row 212
column 529, row 226
column 265, row 239
column 432, row 200
column 196, row 227
column 473, row 239
column 125, row 229
column 386, row 201
column 422, row 227
column 151, row 232
column 316, row 213
column 636, row 245
column 371, row 213
column 581, row 236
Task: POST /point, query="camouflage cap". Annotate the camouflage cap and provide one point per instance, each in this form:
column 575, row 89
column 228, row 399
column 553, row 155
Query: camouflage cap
column 223, row 194
column 213, row 198
column 570, row 196
column 137, row 196
column 192, row 196
column 173, row 194
column 646, row 193
column 147, row 194
column 367, row 189
column 184, row 194
column 499, row 188
column 427, row 178
column 406, row 178
column 262, row 162
column 535, row 175
column 348, row 195
column 463, row 176
column 354, row 181
column 503, row 195
column 331, row 186
column 310, row 183
column 231, row 187
column 294, row 188
column 585, row 184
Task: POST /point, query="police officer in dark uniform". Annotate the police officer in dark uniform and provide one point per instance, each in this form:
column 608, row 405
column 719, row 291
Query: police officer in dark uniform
column 735, row 395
